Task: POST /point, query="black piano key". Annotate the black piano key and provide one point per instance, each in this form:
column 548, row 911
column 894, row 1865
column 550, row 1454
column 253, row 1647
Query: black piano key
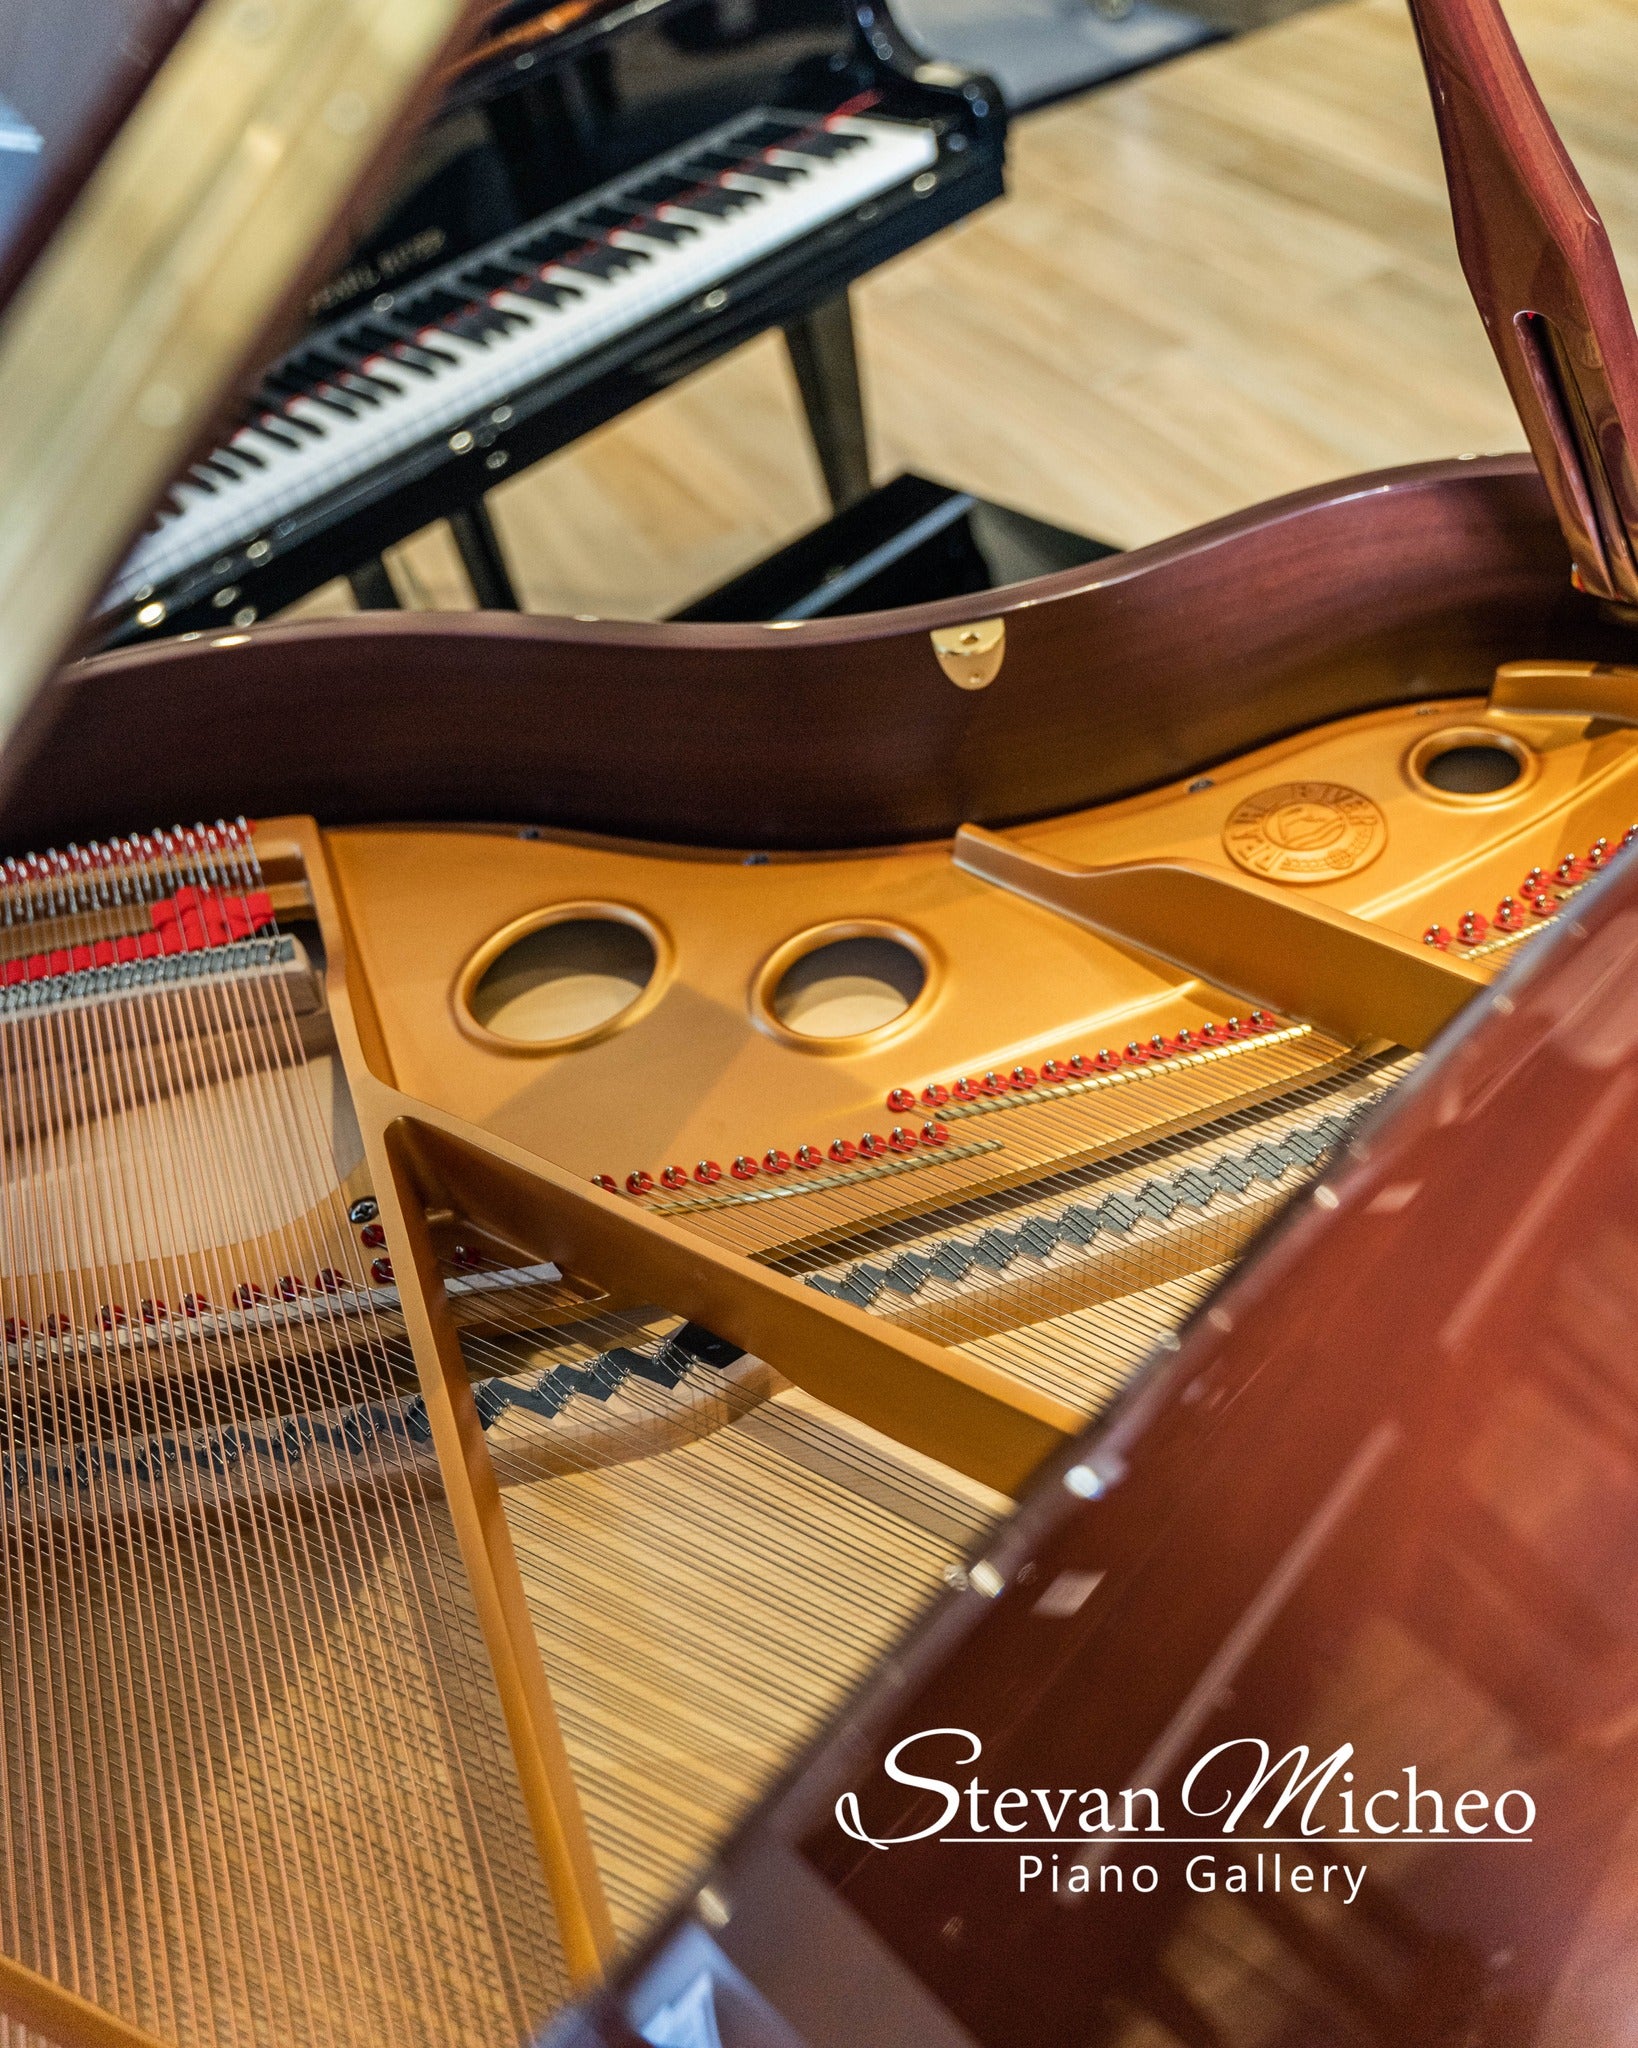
column 548, row 291
column 491, row 276
column 658, row 191
column 315, row 378
column 473, row 320
column 753, row 166
column 418, row 341
column 716, row 200
column 203, row 478
column 546, row 247
column 769, row 134
column 657, row 230
column 285, row 387
column 370, row 338
column 604, row 259
column 605, row 220
column 351, row 384
column 241, row 453
column 278, row 407
column 821, row 142
column 277, row 427
column 360, row 382
column 775, row 174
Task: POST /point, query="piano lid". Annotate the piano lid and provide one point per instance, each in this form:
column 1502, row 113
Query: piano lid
column 171, row 177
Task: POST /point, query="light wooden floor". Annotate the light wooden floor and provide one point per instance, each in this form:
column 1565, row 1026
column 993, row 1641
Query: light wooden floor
column 1223, row 279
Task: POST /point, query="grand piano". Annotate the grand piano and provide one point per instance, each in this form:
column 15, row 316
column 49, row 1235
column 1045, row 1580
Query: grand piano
column 609, row 197
column 909, row 1329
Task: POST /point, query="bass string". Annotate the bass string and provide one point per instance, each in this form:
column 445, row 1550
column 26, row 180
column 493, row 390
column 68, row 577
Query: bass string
column 390, row 1880
column 204, row 1646
column 300, row 1108
column 593, row 1333
column 34, row 1119
column 281, row 1151
column 27, row 1119
column 145, row 1080
column 54, row 1119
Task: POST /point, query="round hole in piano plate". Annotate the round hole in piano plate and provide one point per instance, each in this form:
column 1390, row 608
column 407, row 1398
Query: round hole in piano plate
column 1471, row 765
column 562, row 978
column 843, row 985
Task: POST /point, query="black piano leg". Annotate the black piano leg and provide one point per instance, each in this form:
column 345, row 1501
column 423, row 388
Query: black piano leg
column 486, row 569
column 827, row 374
column 373, row 587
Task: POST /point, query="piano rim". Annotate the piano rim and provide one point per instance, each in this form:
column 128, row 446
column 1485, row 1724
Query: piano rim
column 1120, row 676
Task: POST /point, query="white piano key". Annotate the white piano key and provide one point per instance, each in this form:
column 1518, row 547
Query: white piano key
column 349, row 443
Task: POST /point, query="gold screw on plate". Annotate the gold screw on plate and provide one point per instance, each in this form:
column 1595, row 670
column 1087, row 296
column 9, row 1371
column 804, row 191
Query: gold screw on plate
column 971, row 655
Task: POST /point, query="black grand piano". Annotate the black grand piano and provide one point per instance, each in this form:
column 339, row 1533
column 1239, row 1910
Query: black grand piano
column 612, row 194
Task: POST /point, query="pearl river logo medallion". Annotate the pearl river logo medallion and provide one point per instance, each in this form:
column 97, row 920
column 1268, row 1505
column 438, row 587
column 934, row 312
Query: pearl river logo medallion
column 1304, row 832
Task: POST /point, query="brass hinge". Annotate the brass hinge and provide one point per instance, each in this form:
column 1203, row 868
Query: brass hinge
column 971, row 655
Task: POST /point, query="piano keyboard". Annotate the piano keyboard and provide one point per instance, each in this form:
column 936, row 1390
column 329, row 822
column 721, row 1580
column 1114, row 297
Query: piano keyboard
column 421, row 362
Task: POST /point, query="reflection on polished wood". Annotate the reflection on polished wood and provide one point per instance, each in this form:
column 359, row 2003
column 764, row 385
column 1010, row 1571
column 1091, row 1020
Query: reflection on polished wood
column 1227, row 278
